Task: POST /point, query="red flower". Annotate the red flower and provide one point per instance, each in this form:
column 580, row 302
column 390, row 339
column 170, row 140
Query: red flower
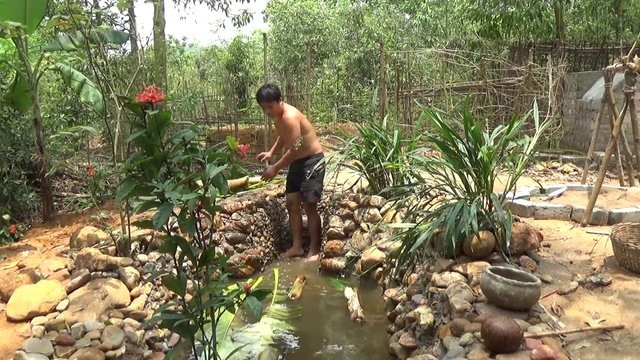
column 247, row 288
column 13, row 229
column 151, row 94
column 91, row 171
column 243, row 149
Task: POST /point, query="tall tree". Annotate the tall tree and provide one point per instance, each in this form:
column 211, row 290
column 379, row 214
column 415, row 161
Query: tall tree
column 159, row 44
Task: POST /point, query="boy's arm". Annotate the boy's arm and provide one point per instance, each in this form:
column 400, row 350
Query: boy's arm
column 276, row 146
column 291, row 129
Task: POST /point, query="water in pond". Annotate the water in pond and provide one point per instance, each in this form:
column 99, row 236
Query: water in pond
column 324, row 330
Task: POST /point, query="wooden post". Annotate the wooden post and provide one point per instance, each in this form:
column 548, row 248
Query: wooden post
column 605, row 161
column 383, row 83
column 409, row 92
column 397, row 94
column 265, row 64
column 308, row 79
column 625, row 146
column 594, row 136
column 634, row 123
column 608, row 95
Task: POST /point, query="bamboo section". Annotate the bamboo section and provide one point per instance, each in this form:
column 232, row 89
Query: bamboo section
column 623, row 137
column 353, row 304
column 608, row 96
column 296, row 289
column 634, row 124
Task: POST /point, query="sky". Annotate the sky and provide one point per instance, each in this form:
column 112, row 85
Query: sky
column 197, row 24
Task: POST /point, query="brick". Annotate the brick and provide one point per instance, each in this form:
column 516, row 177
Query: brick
column 521, row 207
column 598, row 216
column 621, row 215
column 552, row 212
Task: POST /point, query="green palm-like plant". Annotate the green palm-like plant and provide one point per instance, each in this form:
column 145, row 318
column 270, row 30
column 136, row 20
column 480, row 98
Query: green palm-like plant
column 379, row 154
column 464, row 175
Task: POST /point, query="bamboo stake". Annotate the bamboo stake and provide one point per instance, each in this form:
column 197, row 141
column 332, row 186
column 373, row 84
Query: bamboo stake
column 622, row 139
column 634, row 123
column 603, row 167
column 592, row 145
column 608, row 96
column 573, row 331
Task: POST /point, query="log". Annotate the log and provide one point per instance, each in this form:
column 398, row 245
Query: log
column 235, row 184
column 296, row 289
column 573, row 331
column 353, row 304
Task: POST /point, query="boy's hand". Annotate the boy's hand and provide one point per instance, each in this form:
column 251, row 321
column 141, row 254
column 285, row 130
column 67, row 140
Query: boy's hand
column 269, row 172
column 264, row 156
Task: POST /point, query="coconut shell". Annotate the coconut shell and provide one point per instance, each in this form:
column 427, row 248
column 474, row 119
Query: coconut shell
column 480, row 245
column 501, row 334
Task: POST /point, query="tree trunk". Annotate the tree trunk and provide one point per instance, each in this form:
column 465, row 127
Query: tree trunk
column 559, row 20
column 133, row 32
column 159, row 45
column 42, row 159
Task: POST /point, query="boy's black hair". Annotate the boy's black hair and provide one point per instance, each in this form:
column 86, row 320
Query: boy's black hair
column 268, row 93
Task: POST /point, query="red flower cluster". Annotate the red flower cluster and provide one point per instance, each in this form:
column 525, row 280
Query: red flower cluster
column 91, row 171
column 151, row 95
column 13, row 229
column 243, row 149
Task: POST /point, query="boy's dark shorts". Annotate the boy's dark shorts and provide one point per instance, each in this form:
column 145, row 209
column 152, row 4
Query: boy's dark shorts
column 306, row 176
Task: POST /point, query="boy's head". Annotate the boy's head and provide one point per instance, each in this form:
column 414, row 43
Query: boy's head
column 270, row 99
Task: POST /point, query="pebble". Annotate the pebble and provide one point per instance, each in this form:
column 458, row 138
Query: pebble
column 63, row 305
column 466, row 339
column 543, row 352
column 38, row 331
column 77, row 330
column 21, row 355
column 83, row 343
column 546, row 278
column 112, row 337
column 530, row 344
column 407, row 341
column 450, row 342
column 64, row 351
column 65, row 340
column 600, row 280
column 39, row 320
column 131, row 323
column 454, row 353
column 418, row 299
column 567, row 288
column 38, row 346
column 91, row 325
column 87, row 353
column 142, row 258
column 92, row 335
column 154, row 256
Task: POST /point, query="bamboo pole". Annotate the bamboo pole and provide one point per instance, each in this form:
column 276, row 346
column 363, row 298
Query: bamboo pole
column 265, row 63
column 622, row 139
column 603, row 167
column 308, row 80
column 634, row 123
column 608, row 96
column 594, row 137
column 573, row 331
column 383, row 83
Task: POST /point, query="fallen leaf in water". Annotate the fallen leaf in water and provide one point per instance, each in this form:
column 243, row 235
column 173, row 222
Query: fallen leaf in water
column 595, row 322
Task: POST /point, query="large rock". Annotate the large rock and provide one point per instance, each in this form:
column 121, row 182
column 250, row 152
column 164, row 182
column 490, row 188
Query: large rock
column 370, row 258
column 11, row 280
column 87, row 236
column 333, row 248
column 90, row 302
column 524, row 237
column 87, row 353
column 444, row 279
column 360, row 241
column 112, row 338
column 93, row 260
column 29, row 301
column 129, row 276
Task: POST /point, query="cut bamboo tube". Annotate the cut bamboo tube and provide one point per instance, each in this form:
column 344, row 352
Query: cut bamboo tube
column 608, row 96
column 634, row 124
column 603, row 167
column 594, row 137
column 296, row 289
column 573, row 331
column 353, row 304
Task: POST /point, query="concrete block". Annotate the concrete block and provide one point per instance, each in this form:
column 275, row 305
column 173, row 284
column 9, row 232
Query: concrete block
column 598, row 216
column 621, row 215
column 579, row 187
column 552, row 212
column 521, row 207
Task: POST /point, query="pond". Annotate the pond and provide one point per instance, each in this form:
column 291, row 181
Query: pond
column 322, row 328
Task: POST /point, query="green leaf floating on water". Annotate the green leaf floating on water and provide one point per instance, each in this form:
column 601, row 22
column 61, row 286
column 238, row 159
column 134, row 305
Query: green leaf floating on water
column 338, row 284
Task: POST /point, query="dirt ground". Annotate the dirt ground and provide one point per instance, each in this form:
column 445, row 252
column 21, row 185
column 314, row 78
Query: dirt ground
column 607, row 199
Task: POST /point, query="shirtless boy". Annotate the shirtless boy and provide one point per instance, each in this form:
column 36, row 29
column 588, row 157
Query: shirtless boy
column 303, row 154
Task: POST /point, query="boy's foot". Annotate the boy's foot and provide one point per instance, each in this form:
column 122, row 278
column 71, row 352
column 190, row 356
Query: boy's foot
column 313, row 256
column 292, row 252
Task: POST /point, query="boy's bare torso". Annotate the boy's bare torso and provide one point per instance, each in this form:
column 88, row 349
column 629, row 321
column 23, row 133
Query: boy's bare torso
column 307, row 143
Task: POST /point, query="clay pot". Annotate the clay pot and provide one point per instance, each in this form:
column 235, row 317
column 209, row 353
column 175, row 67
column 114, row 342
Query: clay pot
column 479, row 245
column 510, row 288
column 501, row 334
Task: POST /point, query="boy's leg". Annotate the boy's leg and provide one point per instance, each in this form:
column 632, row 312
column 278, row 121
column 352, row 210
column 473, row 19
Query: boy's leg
column 295, row 223
column 315, row 230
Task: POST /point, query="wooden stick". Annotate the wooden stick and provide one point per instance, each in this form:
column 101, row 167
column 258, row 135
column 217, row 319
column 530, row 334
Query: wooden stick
column 609, row 99
column 603, row 168
column 634, row 123
column 623, row 137
column 573, row 331
column 594, row 137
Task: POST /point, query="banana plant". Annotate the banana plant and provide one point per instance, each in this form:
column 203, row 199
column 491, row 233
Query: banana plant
column 18, row 20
